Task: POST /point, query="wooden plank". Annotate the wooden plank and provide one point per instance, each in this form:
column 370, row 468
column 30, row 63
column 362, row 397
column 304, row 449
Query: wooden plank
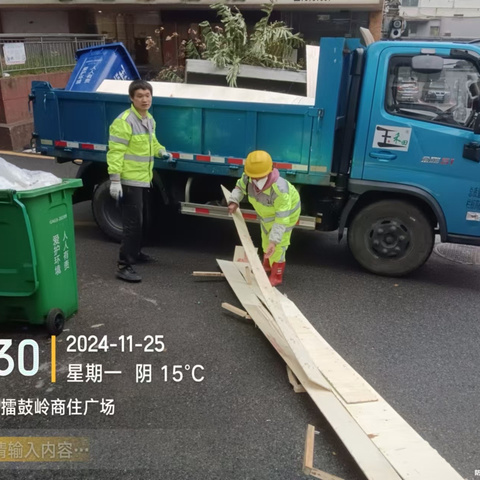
column 297, row 387
column 370, row 460
column 248, row 274
column 270, row 297
column 308, row 467
column 208, row 274
column 343, row 378
column 237, row 311
column 239, row 254
column 308, row 453
column 262, row 304
column 412, row 456
column 366, row 454
column 252, row 303
column 315, row 472
column 404, row 448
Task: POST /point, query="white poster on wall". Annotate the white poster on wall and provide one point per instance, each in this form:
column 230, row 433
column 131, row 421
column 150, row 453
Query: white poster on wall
column 14, row 53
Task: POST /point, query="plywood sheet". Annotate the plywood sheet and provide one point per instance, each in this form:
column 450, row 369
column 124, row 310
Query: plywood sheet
column 407, row 454
column 366, row 454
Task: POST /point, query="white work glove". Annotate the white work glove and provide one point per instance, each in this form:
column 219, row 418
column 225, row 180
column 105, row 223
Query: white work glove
column 270, row 250
column 232, row 207
column 116, row 189
column 164, row 155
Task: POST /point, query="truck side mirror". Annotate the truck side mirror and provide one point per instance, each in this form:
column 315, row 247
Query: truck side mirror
column 427, row 64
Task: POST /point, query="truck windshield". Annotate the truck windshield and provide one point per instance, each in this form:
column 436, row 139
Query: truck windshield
column 450, row 97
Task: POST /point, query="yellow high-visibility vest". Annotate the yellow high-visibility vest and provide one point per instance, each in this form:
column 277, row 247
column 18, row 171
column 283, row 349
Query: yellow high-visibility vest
column 131, row 147
column 278, row 206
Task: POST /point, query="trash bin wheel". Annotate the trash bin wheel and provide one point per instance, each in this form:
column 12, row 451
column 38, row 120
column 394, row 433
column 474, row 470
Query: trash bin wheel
column 55, row 321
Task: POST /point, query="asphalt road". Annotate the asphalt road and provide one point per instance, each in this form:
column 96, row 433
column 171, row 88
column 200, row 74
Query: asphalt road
column 414, row 339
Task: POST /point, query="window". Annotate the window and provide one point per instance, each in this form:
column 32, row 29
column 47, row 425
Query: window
column 435, row 31
column 412, row 28
column 451, row 97
column 410, row 3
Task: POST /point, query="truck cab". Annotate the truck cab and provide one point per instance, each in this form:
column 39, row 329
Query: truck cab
column 421, row 155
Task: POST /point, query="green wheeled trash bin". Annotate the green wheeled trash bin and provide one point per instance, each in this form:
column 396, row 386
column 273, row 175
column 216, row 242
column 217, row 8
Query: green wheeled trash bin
column 38, row 271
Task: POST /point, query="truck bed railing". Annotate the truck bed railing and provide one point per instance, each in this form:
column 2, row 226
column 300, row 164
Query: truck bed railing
column 217, row 211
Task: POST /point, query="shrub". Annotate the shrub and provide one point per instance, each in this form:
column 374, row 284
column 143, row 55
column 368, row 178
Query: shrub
column 270, row 44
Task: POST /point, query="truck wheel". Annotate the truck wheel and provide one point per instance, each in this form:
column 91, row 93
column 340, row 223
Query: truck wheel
column 106, row 212
column 391, row 237
column 55, row 321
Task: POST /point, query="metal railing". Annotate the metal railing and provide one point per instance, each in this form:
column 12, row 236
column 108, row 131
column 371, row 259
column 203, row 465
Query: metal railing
column 42, row 53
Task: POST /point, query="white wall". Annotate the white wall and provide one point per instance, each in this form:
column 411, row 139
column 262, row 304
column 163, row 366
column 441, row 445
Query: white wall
column 443, row 8
column 436, row 3
column 461, row 27
column 470, row 4
column 34, row 21
column 456, row 27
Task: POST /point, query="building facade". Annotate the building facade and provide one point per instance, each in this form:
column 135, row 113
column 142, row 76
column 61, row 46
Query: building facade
column 132, row 21
column 459, row 19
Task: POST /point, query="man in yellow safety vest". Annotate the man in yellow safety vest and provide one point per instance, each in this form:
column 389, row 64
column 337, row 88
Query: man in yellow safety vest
column 131, row 147
column 276, row 202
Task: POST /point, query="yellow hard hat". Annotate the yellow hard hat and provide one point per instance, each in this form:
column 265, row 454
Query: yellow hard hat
column 259, row 164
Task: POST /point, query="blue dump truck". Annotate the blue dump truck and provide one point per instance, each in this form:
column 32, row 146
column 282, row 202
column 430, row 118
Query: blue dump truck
column 391, row 169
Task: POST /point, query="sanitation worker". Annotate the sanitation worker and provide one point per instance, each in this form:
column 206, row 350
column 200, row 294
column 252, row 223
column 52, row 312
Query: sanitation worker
column 131, row 147
column 276, row 202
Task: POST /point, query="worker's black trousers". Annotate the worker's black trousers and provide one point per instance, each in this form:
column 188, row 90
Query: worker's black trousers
column 133, row 202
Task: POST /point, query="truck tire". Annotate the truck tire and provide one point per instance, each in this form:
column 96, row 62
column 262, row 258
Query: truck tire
column 106, row 212
column 391, row 237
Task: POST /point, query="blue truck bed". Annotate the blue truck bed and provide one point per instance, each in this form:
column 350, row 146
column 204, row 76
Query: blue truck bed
column 207, row 136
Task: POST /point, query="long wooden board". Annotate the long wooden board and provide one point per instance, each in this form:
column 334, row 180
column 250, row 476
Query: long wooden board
column 404, row 448
column 401, row 446
column 269, row 295
column 366, row 454
column 344, row 379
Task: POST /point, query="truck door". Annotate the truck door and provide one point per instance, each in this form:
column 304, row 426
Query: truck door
column 421, row 130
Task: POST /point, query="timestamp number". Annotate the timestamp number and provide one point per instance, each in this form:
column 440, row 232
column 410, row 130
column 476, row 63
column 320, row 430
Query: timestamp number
column 123, row 343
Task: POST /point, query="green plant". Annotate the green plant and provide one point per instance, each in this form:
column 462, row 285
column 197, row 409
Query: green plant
column 270, row 44
column 174, row 74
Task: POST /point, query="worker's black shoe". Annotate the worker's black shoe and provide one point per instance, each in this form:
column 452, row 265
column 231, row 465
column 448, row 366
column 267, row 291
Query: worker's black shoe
column 127, row 273
column 144, row 258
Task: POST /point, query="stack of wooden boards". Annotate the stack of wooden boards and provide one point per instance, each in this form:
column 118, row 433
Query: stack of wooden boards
column 382, row 443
